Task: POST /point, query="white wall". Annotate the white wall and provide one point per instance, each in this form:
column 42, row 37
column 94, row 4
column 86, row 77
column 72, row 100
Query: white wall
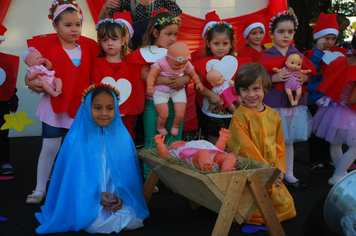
column 23, row 22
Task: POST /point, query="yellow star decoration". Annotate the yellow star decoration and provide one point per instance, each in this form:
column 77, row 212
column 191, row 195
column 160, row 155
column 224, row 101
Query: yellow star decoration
column 269, row 45
column 17, row 121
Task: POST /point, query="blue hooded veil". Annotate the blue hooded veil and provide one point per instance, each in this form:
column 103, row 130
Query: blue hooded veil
column 74, row 193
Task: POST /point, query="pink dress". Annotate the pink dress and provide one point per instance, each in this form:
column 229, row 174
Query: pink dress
column 48, row 75
column 292, row 82
column 226, row 92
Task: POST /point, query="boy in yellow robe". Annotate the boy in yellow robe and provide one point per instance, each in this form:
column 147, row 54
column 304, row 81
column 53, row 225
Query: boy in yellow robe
column 256, row 133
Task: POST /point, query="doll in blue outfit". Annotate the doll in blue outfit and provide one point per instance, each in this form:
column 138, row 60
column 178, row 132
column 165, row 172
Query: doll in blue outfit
column 96, row 184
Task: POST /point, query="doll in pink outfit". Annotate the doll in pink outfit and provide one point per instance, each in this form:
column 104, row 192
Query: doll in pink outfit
column 175, row 63
column 224, row 88
column 293, row 64
column 200, row 152
column 39, row 67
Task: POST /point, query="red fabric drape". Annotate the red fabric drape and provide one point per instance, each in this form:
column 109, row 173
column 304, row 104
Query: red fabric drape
column 3, row 9
column 95, row 7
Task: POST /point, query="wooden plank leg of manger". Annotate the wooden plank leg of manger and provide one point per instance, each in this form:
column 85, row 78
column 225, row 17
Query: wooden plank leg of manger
column 265, row 206
column 149, row 185
column 229, row 205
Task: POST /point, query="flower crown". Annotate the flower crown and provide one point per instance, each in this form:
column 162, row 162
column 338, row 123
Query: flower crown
column 168, row 20
column 57, row 3
column 94, row 86
column 287, row 14
column 220, row 24
column 117, row 21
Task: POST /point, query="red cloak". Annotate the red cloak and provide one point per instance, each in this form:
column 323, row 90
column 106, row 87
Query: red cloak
column 9, row 67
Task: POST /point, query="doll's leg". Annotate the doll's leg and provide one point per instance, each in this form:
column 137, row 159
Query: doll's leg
column 203, row 160
column 221, row 143
column 47, row 88
column 297, row 95
column 58, row 84
column 162, row 149
column 226, row 161
column 179, row 112
column 232, row 107
column 290, row 96
column 162, row 110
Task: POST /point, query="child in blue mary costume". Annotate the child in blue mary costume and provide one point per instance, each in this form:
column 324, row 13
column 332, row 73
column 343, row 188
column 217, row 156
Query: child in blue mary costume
column 96, row 184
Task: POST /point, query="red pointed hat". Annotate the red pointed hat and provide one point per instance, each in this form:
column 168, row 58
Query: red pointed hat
column 211, row 18
column 126, row 19
column 326, row 24
column 3, row 29
column 253, row 22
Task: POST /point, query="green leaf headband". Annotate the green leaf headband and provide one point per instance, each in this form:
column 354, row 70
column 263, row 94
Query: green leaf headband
column 168, row 21
column 94, row 86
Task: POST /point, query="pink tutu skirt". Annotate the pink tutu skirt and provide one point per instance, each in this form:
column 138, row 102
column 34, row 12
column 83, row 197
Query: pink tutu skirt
column 336, row 123
column 296, row 123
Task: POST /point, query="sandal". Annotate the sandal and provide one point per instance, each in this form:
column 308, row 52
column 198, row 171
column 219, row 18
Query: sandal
column 317, row 168
column 35, row 198
column 298, row 184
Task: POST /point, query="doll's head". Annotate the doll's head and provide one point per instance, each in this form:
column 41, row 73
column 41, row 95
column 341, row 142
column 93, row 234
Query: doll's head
column 214, row 77
column 294, row 62
column 33, row 57
column 178, row 55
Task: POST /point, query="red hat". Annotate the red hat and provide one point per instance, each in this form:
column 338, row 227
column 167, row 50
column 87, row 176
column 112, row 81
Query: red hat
column 155, row 12
column 326, row 24
column 211, row 18
column 251, row 23
column 125, row 18
column 2, row 32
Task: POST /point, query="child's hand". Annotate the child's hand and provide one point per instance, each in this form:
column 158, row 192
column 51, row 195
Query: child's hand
column 279, row 180
column 302, row 78
column 199, row 86
column 216, row 99
column 178, row 82
column 117, row 205
column 282, row 76
column 150, row 90
column 108, row 201
column 320, row 43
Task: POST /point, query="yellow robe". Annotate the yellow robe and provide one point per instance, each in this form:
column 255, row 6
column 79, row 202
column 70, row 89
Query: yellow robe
column 259, row 136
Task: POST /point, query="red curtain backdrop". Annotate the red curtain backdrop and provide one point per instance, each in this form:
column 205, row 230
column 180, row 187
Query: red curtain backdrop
column 3, row 9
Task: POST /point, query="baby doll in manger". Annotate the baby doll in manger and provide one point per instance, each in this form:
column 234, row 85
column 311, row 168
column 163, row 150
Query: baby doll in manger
column 175, row 63
column 200, row 153
column 39, row 69
column 224, row 88
column 293, row 64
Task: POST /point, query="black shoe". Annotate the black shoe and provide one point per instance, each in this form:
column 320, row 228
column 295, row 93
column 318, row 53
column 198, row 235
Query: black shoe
column 329, row 166
column 317, row 168
column 7, row 169
column 298, row 184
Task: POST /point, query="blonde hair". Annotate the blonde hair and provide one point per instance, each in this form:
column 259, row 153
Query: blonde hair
column 249, row 73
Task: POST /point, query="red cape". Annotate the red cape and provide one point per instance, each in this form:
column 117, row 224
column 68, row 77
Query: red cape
column 10, row 65
column 128, row 72
column 75, row 79
column 270, row 62
column 323, row 65
column 250, row 52
column 337, row 75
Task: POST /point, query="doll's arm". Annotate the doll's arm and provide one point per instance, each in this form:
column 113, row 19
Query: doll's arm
column 231, row 83
column 275, row 69
column 198, row 84
column 154, row 71
column 33, row 75
column 305, row 71
column 47, row 63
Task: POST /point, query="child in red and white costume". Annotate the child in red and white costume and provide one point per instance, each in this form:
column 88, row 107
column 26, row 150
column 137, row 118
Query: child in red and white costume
column 254, row 33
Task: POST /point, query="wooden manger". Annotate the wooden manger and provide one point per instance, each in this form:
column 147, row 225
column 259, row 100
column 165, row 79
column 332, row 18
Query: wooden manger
column 233, row 195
